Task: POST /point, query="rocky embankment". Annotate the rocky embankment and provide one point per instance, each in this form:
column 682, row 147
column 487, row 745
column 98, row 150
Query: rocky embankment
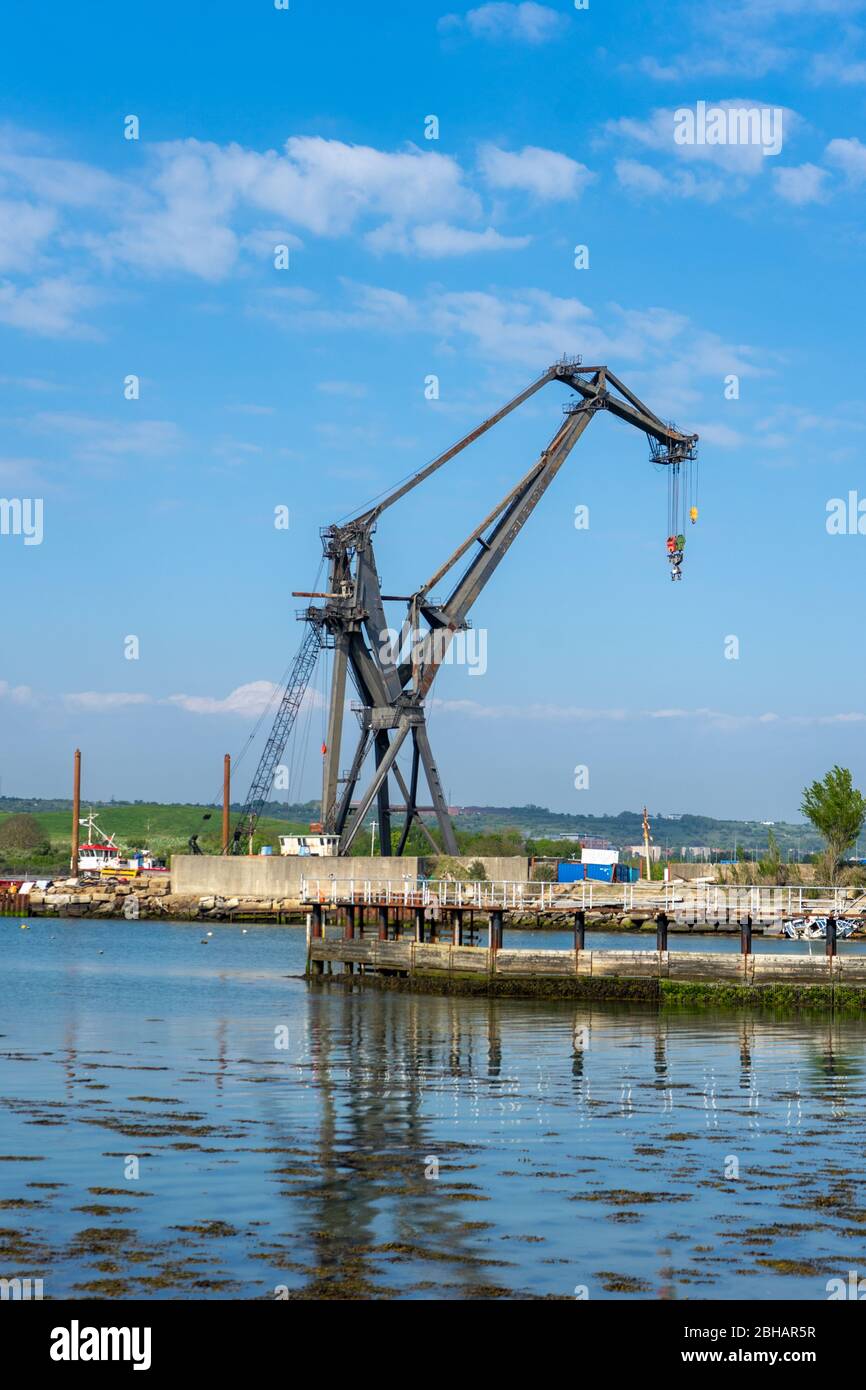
column 141, row 898
column 150, row 897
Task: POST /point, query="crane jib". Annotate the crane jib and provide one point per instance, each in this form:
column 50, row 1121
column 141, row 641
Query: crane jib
column 351, row 617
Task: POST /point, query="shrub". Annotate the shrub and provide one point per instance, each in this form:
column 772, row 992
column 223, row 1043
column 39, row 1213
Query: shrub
column 23, row 832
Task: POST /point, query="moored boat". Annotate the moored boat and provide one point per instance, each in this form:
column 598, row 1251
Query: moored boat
column 815, row 928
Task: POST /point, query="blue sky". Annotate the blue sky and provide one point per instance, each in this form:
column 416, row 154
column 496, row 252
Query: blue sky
column 411, row 257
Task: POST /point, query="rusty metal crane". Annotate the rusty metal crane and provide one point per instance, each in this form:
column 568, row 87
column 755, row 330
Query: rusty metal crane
column 392, row 675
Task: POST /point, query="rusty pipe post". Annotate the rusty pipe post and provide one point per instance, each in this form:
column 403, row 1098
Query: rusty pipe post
column 227, row 798
column 76, row 811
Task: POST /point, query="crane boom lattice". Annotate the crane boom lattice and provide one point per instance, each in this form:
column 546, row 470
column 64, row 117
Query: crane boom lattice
column 296, row 687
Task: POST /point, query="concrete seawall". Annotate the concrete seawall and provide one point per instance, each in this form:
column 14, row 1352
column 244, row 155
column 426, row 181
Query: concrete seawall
column 687, row 976
column 275, row 876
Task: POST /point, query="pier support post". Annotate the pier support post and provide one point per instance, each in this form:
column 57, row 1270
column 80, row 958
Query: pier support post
column 457, row 920
column 746, row 936
column 349, row 930
column 580, row 930
column 383, row 924
column 496, row 930
column 831, row 936
column 317, row 967
column 419, row 924
column 662, row 932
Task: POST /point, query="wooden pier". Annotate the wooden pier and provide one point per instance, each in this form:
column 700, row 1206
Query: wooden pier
column 433, row 939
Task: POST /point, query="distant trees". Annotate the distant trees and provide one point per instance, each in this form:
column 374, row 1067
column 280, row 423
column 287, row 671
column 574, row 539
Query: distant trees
column 837, row 811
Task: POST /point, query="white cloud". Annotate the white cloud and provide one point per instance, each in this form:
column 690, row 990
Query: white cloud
column 801, row 184
column 325, row 187
column 720, row 435
column 352, row 389
column 371, row 307
column 733, row 53
column 22, row 472
column 23, row 228
column 735, row 159
column 196, row 208
column 50, row 307
column 18, row 694
column 102, row 702
column 546, row 174
column 249, row 700
column 439, row 239
column 532, row 328
column 636, row 177
column 835, row 68
column 99, row 440
column 643, row 180
column 576, row 714
column 849, row 156
column 526, row 22
column 61, row 181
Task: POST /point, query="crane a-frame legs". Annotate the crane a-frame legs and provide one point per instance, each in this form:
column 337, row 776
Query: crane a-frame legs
column 386, row 750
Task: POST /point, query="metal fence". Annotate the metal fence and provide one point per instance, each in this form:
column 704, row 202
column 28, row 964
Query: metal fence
column 698, row 902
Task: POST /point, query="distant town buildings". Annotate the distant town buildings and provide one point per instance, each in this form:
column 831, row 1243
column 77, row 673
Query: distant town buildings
column 655, row 852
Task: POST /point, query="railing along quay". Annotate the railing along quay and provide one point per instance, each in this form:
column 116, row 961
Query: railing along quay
column 716, row 904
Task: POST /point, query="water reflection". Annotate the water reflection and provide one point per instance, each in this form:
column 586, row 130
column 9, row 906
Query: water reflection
column 406, row 1145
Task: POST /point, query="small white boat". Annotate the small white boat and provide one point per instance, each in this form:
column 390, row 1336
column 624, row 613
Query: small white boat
column 815, row 928
column 103, row 857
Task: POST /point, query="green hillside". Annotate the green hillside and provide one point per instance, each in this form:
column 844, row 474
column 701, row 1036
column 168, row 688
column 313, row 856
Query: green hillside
column 165, row 829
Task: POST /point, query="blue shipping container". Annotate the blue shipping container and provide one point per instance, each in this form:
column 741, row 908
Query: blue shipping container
column 567, row 872
column 602, row 873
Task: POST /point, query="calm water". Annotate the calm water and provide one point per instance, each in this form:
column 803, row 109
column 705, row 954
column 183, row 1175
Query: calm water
column 575, row 1146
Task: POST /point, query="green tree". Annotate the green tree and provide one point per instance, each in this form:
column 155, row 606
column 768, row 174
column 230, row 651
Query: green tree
column 772, row 867
column 23, row 832
column 837, row 811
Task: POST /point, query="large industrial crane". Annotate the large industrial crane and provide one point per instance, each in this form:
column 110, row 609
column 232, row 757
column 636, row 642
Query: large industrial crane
column 393, row 677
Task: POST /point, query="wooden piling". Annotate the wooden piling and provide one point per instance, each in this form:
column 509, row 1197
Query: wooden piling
column 496, row 918
column 76, row 811
column 746, row 936
column 662, row 932
column 580, row 930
